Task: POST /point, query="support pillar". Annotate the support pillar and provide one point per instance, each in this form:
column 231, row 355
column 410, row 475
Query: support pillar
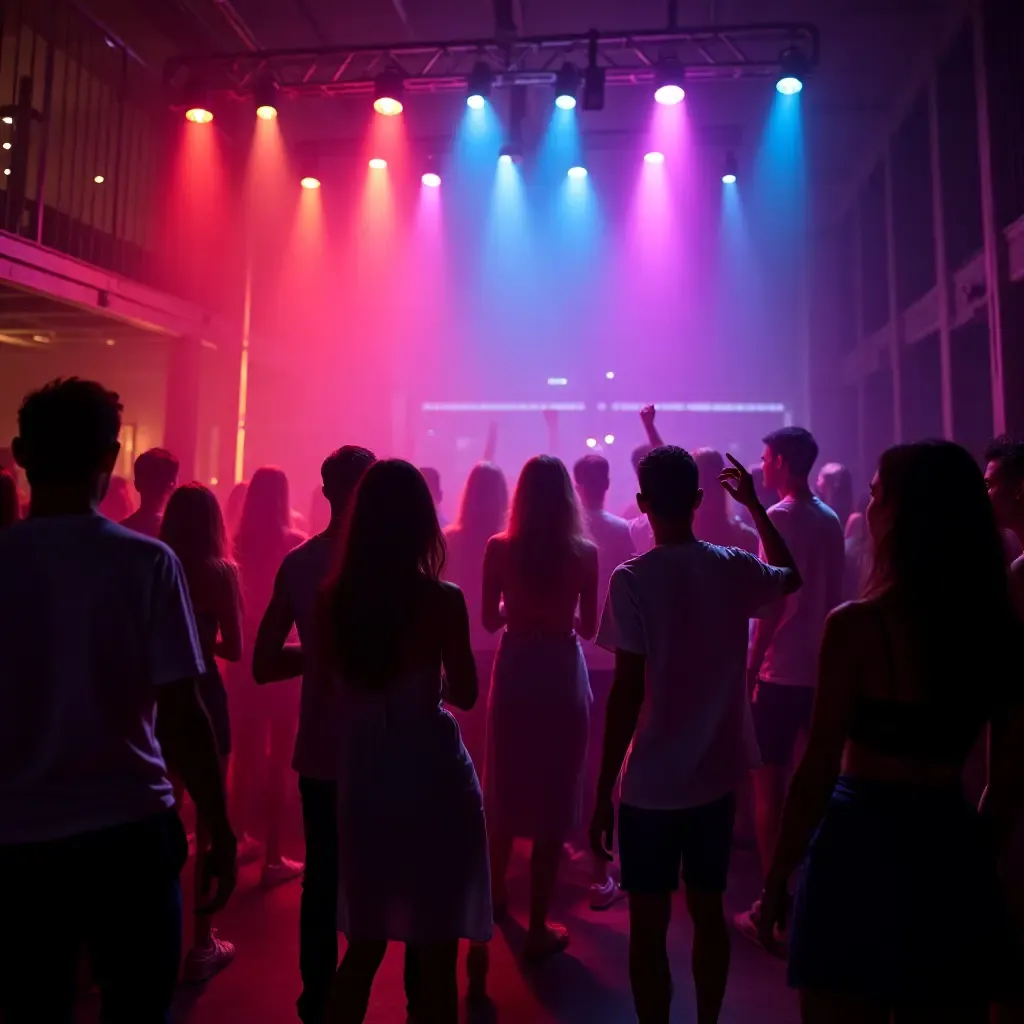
column 181, row 405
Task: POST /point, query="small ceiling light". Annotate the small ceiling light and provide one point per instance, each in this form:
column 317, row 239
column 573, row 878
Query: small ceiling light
column 111, row 342
column 478, row 86
column 7, row 119
column 609, row 439
column 378, row 163
column 198, row 115
column 7, row 170
column 387, row 93
column 310, row 182
column 265, row 97
column 669, row 80
column 591, row 442
column 511, row 153
column 577, row 172
column 557, row 382
column 7, row 145
column 610, row 375
column 567, row 84
column 793, row 69
column 729, row 170
column 654, row 158
column 41, row 338
column 99, row 179
column 431, row 180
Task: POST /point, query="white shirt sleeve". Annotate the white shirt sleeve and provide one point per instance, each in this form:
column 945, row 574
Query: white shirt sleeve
column 757, row 584
column 174, row 651
column 622, row 627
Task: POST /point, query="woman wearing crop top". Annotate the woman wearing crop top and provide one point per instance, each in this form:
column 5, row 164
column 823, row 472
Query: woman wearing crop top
column 897, row 914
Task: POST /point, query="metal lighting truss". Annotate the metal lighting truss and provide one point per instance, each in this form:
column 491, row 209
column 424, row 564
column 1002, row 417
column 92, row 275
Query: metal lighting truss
column 720, row 52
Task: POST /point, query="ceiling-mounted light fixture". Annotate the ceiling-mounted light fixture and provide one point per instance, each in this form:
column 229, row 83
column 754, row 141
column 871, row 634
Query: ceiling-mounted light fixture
column 730, row 169
column 265, row 97
column 669, row 77
column 478, row 86
column 387, row 93
column 567, row 84
column 793, row 68
column 593, row 78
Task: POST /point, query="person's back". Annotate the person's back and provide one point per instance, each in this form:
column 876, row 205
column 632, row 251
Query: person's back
column 815, row 537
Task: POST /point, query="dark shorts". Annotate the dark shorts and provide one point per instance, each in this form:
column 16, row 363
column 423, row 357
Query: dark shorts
column 215, row 700
column 655, row 847
column 781, row 713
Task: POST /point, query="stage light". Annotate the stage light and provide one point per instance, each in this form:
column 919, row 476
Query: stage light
column 7, row 119
column 265, row 97
column 99, row 179
column 577, row 172
column 792, row 71
column 378, row 163
column 610, row 375
column 593, row 88
column 654, row 158
column 609, row 439
column 567, row 84
column 591, row 442
column 729, row 170
column 479, row 86
column 511, row 153
column 669, row 79
column 387, row 92
column 310, row 183
column 199, row 115
column 431, row 180
column 7, row 145
column 7, row 170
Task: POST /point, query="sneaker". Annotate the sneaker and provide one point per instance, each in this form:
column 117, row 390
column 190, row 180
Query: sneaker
column 203, row 962
column 554, row 939
column 249, row 849
column 605, row 894
column 283, row 871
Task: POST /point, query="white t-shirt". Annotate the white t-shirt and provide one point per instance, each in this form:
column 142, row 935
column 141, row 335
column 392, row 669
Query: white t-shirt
column 813, row 535
column 93, row 617
column 641, row 534
column 614, row 546
column 685, row 607
column 302, row 572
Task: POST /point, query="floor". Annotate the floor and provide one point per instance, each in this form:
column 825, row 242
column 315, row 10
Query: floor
column 587, row 985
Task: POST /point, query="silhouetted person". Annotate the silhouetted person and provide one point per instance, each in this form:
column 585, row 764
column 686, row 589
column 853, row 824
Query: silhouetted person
column 535, row 576
column 265, row 719
column 896, row 910
column 412, row 843
column 1004, row 477
column 782, row 664
column 117, row 504
column 483, row 512
column 156, row 476
column 100, row 657
column 10, row 507
column 433, row 479
column 193, row 528
column 835, row 488
column 592, row 476
column 676, row 619
column 233, row 508
column 639, row 528
column 293, row 604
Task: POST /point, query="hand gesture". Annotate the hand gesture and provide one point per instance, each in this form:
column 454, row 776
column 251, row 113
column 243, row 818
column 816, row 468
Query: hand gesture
column 739, row 483
column 220, row 863
column 602, row 829
column 647, row 416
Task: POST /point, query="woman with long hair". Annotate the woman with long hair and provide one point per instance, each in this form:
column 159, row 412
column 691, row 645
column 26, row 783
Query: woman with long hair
column 266, row 716
column 897, row 913
column 536, row 575
column 413, row 862
column 483, row 512
column 193, row 528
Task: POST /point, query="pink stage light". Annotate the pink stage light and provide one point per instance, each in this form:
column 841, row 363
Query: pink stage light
column 670, row 95
column 654, row 158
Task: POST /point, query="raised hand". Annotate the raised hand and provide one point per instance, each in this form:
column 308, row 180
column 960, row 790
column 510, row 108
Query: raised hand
column 647, row 416
column 739, row 483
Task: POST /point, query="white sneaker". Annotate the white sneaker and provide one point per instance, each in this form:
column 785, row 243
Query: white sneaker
column 283, row 871
column 203, row 962
column 747, row 925
column 605, row 894
column 249, row 849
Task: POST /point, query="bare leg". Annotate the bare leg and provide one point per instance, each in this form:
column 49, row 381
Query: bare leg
column 202, row 923
column 501, row 854
column 710, row 958
column 438, row 985
column 282, row 736
column 353, row 980
column 769, row 794
column 649, row 974
column 544, row 862
column 840, row 1008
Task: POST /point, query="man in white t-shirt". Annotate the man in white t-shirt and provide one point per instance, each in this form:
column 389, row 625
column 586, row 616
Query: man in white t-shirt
column 677, row 619
column 782, row 668
column 592, row 475
column 293, row 603
column 97, row 696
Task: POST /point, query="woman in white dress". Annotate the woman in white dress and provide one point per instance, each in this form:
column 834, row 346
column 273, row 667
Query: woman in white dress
column 412, row 846
column 536, row 576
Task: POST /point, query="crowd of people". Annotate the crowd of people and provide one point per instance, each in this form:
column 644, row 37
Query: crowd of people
column 540, row 669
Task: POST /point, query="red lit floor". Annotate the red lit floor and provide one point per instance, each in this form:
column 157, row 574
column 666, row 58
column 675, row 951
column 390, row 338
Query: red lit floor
column 588, row 985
